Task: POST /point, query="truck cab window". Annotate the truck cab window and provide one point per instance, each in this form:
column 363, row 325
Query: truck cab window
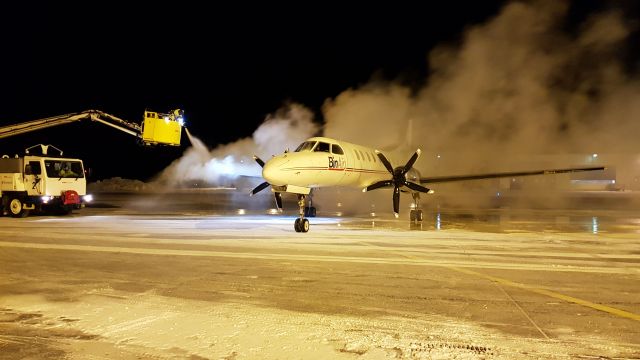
column 33, row 168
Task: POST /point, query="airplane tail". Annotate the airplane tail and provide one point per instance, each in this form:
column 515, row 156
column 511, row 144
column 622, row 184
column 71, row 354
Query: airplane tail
column 404, row 145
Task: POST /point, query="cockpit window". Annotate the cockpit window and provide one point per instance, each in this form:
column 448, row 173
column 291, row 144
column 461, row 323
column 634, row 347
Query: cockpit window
column 322, row 147
column 306, row 146
column 336, row 149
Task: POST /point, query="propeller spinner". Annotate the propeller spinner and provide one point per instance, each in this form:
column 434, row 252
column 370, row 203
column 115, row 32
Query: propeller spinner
column 398, row 179
column 264, row 185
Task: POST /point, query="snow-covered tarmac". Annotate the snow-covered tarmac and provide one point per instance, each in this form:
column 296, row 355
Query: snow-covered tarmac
column 139, row 281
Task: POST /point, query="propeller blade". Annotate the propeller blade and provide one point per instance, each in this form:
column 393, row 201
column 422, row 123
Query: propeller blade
column 259, row 188
column 377, row 185
column 384, row 160
column 411, row 161
column 258, row 160
column 278, row 197
column 396, row 201
column 416, row 187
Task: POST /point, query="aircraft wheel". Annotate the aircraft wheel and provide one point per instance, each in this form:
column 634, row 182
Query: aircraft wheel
column 15, row 208
column 419, row 215
column 412, row 215
column 296, row 225
column 304, row 225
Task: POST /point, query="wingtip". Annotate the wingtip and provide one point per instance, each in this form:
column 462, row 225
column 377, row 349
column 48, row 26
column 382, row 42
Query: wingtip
column 376, row 151
column 418, row 151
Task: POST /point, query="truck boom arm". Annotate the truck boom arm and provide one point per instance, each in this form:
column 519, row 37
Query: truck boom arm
column 94, row 115
column 155, row 129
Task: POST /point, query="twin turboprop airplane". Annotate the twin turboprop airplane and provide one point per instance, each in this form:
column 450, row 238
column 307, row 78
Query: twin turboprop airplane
column 323, row 162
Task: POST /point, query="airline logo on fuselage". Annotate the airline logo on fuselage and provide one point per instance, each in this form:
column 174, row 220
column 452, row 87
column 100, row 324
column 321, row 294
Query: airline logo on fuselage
column 336, row 163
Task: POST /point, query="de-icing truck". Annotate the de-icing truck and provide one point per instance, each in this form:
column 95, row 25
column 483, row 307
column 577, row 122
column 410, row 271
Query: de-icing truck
column 42, row 182
column 32, row 182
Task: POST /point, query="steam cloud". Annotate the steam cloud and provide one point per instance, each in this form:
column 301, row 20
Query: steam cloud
column 518, row 84
column 287, row 128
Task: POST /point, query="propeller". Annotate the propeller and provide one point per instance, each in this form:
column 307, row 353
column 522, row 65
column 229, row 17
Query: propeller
column 264, row 185
column 398, row 179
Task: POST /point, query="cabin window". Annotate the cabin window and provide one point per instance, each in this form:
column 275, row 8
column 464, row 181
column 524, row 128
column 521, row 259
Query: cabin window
column 336, row 149
column 356, row 154
column 374, row 157
column 305, row 146
column 322, row 147
column 368, row 157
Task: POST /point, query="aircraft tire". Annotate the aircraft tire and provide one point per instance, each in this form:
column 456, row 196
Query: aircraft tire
column 296, row 225
column 304, row 225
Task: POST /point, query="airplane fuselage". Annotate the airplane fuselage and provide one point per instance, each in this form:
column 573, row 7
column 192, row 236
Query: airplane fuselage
column 324, row 162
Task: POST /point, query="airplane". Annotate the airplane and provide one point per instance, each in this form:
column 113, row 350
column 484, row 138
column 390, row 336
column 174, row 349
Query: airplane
column 324, row 162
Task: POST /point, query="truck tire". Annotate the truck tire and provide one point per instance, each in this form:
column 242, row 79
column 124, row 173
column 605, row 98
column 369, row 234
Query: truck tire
column 15, row 208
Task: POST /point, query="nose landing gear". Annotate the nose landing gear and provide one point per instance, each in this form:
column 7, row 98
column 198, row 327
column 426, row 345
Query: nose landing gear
column 302, row 224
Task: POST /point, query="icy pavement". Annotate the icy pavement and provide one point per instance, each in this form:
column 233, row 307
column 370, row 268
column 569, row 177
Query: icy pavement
column 114, row 282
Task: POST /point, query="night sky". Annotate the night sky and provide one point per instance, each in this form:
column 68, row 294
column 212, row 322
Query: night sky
column 226, row 66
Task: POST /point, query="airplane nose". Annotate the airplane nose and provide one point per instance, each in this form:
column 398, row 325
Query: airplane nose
column 272, row 171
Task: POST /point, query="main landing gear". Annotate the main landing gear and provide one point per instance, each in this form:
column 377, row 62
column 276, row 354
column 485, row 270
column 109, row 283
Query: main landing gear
column 416, row 214
column 302, row 224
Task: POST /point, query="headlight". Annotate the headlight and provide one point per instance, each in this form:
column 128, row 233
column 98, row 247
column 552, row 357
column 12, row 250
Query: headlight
column 46, row 199
column 88, row 198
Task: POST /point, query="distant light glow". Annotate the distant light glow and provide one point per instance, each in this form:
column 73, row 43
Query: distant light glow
column 595, row 155
column 372, row 214
column 594, row 225
column 88, row 198
column 181, row 121
column 273, row 211
column 438, row 221
column 339, row 213
column 241, row 211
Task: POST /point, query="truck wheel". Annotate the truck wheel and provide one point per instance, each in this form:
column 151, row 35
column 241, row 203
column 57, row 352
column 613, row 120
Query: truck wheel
column 15, row 208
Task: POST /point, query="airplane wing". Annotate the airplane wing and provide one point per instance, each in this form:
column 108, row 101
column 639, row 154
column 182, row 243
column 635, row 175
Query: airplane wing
column 440, row 179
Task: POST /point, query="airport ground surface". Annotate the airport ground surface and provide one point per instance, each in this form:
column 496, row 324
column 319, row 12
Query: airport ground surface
column 202, row 275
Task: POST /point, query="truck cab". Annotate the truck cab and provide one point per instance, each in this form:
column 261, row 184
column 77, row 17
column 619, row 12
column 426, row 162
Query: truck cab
column 42, row 183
